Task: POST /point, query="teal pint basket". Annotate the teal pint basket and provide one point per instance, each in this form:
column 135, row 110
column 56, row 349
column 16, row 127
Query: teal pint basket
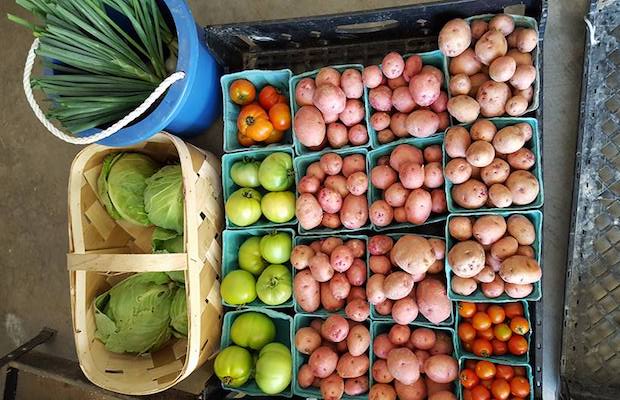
column 528, row 370
column 231, row 241
column 375, row 194
column 300, row 321
column 506, row 358
column 434, row 58
column 311, row 238
column 300, row 148
column 533, row 144
column 260, row 78
column 229, row 187
column 301, row 163
column 284, row 335
column 379, row 327
column 420, row 319
column 536, row 217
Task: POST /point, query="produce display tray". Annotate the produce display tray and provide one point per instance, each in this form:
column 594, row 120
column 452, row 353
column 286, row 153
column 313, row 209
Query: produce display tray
column 591, row 333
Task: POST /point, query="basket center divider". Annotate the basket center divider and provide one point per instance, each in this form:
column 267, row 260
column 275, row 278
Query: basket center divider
column 127, row 262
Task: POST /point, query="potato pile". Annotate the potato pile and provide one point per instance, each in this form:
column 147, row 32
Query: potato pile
column 413, row 364
column 338, row 360
column 406, row 98
column 333, row 193
column 495, row 252
column 491, row 67
column 330, row 274
column 412, row 182
column 491, row 167
column 331, row 109
column 397, row 268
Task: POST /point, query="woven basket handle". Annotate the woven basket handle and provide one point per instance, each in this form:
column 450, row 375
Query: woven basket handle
column 126, row 120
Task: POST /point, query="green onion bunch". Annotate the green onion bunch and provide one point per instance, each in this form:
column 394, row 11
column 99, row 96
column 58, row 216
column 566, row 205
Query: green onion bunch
column 101, row 71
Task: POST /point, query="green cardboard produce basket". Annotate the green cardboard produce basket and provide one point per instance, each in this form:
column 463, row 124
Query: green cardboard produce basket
column 434, row 58
column 300, row 321
column 507, row 358
column 231, row 241
column 284, row 335
column 230, row 187
column 420, row 319
column 260, row 78
column 533, row 144
column 301, row 163
column 528, row 370
column 300, row 148
column 536, row 217
column 307, row 240
column 375, row 194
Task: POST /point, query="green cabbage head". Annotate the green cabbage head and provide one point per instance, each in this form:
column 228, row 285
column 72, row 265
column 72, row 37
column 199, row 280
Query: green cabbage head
column 121, row 185
column 163, row 198
column 134, row 316
column 178, row 313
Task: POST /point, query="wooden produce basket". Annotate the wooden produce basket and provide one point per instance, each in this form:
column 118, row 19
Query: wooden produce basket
column 104, row 250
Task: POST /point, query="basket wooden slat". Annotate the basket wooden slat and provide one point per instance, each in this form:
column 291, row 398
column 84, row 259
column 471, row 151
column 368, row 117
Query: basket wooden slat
column 103, row 251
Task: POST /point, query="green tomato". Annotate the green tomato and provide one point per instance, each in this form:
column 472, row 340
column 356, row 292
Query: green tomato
column 275, row 347
column 276, row 247
column 250, row 258
column 238, row 287
column 278, row 207
column 274, row 285
column 276, row 172
column 233, row 366
column 274, row 370
column 252, row 330
column 243, row 207
column 245, row 173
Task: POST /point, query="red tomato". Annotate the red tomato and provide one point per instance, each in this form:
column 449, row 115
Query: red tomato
column 270, row 96
column 502, row 332
column 242, row 92
column 496, row 313
column 467, row 395
column 519, row 371
column 500, row 388
column 517, row 345
column 469, row 379
column 485, row 370
column 481, row 321
column 499, row 348
column 245, row 140
column 519, row 325
column 482, row 348
column 480, row 393
column 485, row 334
column 466, row 331
column 467, row 310
column 482, row 306
column 519, row 386
column 280, row 116
column 275, row 137
column 504, row 372
column 513, row 310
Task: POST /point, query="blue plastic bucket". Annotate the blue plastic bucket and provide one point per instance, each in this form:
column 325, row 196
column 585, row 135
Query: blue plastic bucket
column 191, row 104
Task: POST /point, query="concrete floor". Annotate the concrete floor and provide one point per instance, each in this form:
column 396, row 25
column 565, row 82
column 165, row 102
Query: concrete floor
column 34, row 170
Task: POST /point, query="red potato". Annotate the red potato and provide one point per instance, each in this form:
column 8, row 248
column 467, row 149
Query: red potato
column 435, row 268
column 459, row 84
column 300, row 256
column 500, row 196
column 457, row 141
column 380, row 213
column 398, row 124
column 516, row 106
column 434, row 71
column 493, row 289
column 392, row 65
column 422, row 123
column 308, row 184
column 337, row 135
column 424, row 88
column 518, row 291
column 526, row 40
column 492, row 97
column 454, row 37
column 443, row 395
column 316, row 246
column 466, row 63
column 354, row 211
column 504, row 247
column 411, row 176
column 433, row 301
column 330, row 200
column 423, row 338
column 331, row 221
column 463, row 286
column 523, row 77
column 350, row 366
column 397, row 285
column 381, row 391
column 381, row 346
column 438, row 200
column 327, row 75
column 351, row 83
column 502, row 68
column 385, row 307
column 496, row 172
column 441, row 103
column 522, row 159
column 417, row 262
column 308, row 211
column 492, row 262
column 460, row 228
column 331, row 163
column 478, row 28
column 356, row 274
column 380, row 245
column 458, row 170
column 483, row 129
column 444, row 120
column 503, row 23
column 305, row 377
column 307, row 340
column 353, row 113
column 385, row 136
column 396, row 194
column 526, row 130
column 335, row 328
column 356, row 386
column 374, row 289
column 520, row 58
column 380, row 372
column 316, row 324
column 320, row 268
column 304, row 91
column 413, row 65
column 488, row 229
column 402, row 100
column 415, row 391
column 379, row 264
column 463, row 108
column 380, row 121
column 405, row 153
column 441, row 368
column 396, row 82
column 341, row 258
column 433, row 387
column 399, row 334
column 357, row 183
column 480, row 153
column 358, row 135
column 338, row 183
column 323, row 362
column 382, row 176
column 372, row 76
column 329, row 99
column 405, row 311
column 357, row 246
column 471, row 194
column 315, row 170
column 490, row 46
column 432, row 153
column 418, row 206
column 332, row 387
column 356, row 293
column 523, row 186
column 476, row 81
column 329, row 118
column 433, row 175
column 358, row 340
column 309, row 126
column 328, row 245
column 380, row 98
column 443, row 344
column 403, row 365
column 339, row 286
column 486, row 275
column 353, row 163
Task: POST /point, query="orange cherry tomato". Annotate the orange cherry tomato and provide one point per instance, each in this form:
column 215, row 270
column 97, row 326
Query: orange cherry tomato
column 248, row 115
column 496, row 313
column 513, row 310
column 242, row 92
column 485, row 334
column 275, row 137
column 487, row 383
column 502, row 332
column 466, row 331
column 269, row 96
column 517, row 345
column 500, row 388
column 480, row 393
column 482, row 348
column 466, row 309
column 481, row 306
column 280, row 116
column 468, row 346
column 519, row 371
column 504, row 372
column 244, row 140
column 519, row 386
column 519, row 325
column 471, row 364
column 481, row 321
column 485, row 370
column 468, row 378
column 260, row 129
column 499, row 348
column 467, row 395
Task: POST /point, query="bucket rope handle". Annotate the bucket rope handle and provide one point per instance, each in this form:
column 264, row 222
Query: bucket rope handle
column 126, row 120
